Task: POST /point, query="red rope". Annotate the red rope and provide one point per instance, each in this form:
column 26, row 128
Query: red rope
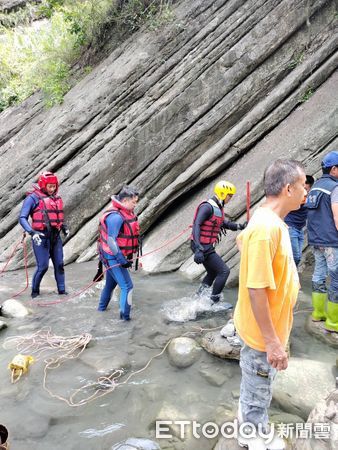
column 12, row 254
column 76, row 294
column 25, row 257
column 69, row 297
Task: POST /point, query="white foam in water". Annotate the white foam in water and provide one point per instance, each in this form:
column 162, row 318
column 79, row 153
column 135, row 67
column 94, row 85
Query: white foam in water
column 88, row 293
column 188, row 308
column 92, row 432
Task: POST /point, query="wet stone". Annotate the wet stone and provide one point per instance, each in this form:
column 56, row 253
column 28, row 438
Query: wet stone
column 317, row 329
column 213, row 377
column 13, row 308
column 217, row 345
column 183, row 352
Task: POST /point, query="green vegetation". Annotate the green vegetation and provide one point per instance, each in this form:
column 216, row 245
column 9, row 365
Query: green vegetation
column 40, row 55
column 307, row 94
column 298, row 59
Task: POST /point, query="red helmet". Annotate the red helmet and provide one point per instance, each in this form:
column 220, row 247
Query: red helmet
column 47, row 178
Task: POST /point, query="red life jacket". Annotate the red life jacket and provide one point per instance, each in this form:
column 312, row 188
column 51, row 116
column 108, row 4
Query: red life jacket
column 49, row 211
column 128, row 237
column 211, row 228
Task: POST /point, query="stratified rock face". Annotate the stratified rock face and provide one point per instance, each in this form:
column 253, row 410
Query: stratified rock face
column 217, row 94
column 10, row 5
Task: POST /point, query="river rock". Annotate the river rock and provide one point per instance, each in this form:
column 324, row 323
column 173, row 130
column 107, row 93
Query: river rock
column 317, row 329
column 183, row 352
column 217, row 345
column 136, row 444
column 302, row 385
column 214, row 377
column 170, row 412
column 32, row 426
column 106, row 360
column 325, row 412
column 13, row 308
column 283, row 417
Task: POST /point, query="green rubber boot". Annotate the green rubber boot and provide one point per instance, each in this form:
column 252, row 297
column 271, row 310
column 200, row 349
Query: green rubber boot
column 318, row 302
column 331, row 322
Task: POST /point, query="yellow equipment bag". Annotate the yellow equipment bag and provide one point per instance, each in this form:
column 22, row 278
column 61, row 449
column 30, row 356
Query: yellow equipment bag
column 19, row 365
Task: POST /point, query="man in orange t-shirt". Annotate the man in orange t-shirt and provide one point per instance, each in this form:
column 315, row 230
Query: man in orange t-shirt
column 268, row 289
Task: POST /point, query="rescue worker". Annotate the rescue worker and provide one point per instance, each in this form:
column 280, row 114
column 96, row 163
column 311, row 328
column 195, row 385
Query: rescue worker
column 322, row 204
column 118, row 243
column 45, row 207
column 208, row 225
column 296, row 221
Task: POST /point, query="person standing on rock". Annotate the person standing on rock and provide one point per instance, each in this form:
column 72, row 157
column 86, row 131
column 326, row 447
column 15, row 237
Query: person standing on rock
column 322, row 204
column 208, row 225
column 268, row 289
column 45, row 207
column 118, row 242
column 296, row 221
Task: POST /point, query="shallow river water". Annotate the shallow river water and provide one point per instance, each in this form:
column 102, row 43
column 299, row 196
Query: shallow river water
column 164, row 307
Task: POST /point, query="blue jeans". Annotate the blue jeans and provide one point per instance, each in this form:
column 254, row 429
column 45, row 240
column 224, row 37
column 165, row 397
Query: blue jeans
column 326, row 263
column 256, row 386
column 117, row 276
column 297, row 240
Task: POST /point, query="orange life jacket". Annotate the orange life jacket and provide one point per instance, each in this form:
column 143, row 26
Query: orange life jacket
column 128, row 237
column 211, row 228
column 49, row 211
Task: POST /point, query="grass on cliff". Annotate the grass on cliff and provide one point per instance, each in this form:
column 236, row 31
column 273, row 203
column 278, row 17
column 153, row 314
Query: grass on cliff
column 40, row 55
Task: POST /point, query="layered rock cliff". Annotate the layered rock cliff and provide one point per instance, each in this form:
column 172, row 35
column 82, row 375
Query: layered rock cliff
column 218, row 93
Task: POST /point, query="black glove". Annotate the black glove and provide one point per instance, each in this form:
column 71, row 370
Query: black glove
column 241, row 226
column 127, row 265
column 199, row 256
column 65, row 230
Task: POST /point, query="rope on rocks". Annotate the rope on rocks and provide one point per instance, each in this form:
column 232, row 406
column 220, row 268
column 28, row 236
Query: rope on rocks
column 56, row 350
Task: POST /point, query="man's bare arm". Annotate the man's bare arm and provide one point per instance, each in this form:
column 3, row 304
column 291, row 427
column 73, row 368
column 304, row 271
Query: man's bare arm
column 276, row 355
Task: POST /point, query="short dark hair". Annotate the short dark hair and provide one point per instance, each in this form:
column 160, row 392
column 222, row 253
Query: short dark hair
column 280, row 173
column 327, row 170
column 309, row 180
column 127, row 192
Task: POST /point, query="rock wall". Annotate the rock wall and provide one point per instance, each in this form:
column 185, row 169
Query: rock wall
column 217, row 93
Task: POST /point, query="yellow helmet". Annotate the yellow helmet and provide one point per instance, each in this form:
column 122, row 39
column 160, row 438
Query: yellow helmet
column 223, row 188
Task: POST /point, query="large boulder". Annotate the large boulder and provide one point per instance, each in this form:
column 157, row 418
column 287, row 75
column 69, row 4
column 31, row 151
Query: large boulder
column 302, row 385
column 324, row 422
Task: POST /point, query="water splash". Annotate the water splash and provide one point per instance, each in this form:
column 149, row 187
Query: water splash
column 188, row 308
